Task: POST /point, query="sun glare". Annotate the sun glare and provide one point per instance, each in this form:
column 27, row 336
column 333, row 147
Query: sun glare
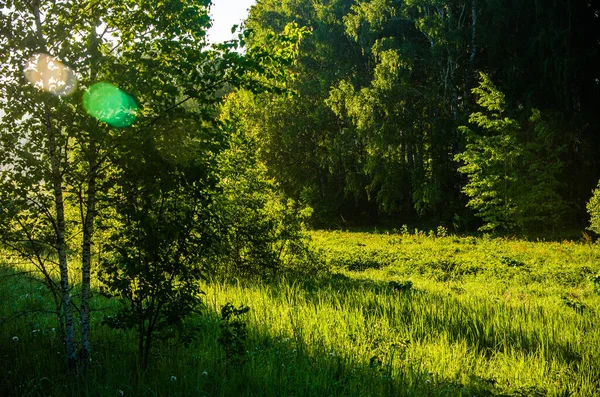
column 49, row 74
column 107, row 103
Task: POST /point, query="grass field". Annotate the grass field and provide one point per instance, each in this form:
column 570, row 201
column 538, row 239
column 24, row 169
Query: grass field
column 404, row 314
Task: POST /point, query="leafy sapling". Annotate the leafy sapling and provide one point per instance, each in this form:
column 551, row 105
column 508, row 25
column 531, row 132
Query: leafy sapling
column 233, row 334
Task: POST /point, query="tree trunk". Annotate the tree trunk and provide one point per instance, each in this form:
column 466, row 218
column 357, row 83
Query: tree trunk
column 88, row 223
column 61, row 247
column 70, row 344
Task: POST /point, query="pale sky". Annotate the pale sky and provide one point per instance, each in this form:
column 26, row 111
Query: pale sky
column 225, row 14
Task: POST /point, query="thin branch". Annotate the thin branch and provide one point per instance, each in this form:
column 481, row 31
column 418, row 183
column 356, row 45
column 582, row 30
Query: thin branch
column 43, row 209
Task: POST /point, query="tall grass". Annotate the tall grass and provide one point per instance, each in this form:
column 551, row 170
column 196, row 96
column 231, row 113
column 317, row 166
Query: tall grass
column 482, row 317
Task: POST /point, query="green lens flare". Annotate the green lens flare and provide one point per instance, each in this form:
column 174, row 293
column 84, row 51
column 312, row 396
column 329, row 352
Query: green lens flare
column 107, row 103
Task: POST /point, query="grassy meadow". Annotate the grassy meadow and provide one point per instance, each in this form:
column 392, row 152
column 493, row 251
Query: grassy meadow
column 397, row 314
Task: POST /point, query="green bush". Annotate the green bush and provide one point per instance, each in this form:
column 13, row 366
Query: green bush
column 513, row 170
column 593, row 209
column 262, row 232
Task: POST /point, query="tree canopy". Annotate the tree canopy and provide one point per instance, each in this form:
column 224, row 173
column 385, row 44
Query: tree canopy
column 382, row 88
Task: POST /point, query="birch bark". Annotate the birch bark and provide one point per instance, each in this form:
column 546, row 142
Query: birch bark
column 57, row 186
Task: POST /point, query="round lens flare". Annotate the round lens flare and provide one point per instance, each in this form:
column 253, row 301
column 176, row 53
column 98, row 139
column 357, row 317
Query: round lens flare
column 49, row 74
column 107, row 103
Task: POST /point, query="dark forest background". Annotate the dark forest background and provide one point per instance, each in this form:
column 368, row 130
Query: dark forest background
column 382, row 105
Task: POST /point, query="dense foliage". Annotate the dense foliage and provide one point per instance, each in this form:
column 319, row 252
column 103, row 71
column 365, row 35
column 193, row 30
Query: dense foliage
column 383, row 87
column 513, row 175
column 113, row 146
column 262, row 232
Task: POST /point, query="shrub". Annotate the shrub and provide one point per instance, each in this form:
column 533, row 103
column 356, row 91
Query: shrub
column 233, row 334
column 513, row 170
column 593, row 209
column 262, row 232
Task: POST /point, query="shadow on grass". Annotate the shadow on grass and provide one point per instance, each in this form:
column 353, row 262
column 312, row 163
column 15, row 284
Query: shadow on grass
column 477, row 324
column 275, row 366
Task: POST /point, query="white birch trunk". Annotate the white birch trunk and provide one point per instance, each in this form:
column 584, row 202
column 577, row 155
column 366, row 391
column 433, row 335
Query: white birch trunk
column 61, row 247
column 70, row 343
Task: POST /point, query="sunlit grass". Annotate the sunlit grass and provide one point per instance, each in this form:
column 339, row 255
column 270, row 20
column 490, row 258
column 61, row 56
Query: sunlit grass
column 483, row 317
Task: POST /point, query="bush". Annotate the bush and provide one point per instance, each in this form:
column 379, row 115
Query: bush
column 262, row 232
column 513, row 170
column 593, row 209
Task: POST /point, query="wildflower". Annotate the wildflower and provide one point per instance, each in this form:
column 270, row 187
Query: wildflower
column 15, row 338
column 204, row 373
column 120, row 392
column 173, row 378
column 332, row 354
column 428, row 381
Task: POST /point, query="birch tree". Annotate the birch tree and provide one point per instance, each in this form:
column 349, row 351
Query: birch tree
column 74, row 74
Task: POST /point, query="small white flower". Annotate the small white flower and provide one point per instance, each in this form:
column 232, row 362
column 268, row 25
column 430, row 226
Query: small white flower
column 15, row 338
column 120, row 392
column 428, row 381
column 332, row 354
column 53, row 329
column 173, row 378
column 204, row 373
